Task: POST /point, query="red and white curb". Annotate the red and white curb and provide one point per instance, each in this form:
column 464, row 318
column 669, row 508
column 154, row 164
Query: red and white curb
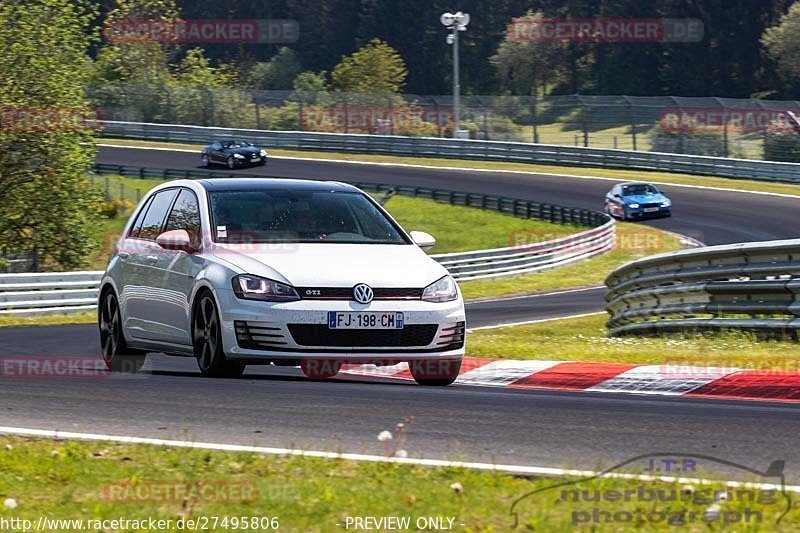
column 658, row 380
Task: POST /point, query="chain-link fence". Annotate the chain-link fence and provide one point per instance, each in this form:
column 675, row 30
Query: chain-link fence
column 723, row 127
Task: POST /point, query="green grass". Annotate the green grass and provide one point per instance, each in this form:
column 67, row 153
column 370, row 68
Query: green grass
column 459, row 229
column 79, row 318
column 643, row 175
column 633, row 241
column 88, row 480
column 586, row 339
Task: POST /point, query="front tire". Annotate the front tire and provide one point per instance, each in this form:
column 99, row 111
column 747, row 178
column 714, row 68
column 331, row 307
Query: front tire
column 113, row 348
column 435, row 372
column 207, row 341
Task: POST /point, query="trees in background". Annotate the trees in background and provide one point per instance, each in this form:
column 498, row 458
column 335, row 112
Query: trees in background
column 782, row 43
column 375, row 68
column 277, row 74
column 46, row 203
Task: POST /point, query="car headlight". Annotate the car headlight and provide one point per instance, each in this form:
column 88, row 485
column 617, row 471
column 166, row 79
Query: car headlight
column 443, row 290
column 633, row 206
column 238, row 156
column 666, row 203
column 257, row 288
column 263, row 153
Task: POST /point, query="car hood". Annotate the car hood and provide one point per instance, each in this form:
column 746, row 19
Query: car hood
column 245, row 150
column 335, row 265
column 645, row 199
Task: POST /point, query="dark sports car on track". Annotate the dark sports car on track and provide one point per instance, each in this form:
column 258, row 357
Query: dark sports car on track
column 233, row 154
column 631, row 200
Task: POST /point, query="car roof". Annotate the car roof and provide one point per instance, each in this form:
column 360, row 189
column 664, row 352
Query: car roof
column 635, row 183
column 246, row 184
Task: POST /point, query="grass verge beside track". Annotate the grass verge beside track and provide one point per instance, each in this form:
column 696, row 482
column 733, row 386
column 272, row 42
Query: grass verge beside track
column 616, row 174
column 105, row 481
column 585, row 339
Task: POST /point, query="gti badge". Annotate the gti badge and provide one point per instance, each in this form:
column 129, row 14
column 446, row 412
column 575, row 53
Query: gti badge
column 362, row 293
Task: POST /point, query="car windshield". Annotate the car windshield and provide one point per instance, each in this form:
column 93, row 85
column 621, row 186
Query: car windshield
column 236, row 144
column 638, row 189
column 262, row 216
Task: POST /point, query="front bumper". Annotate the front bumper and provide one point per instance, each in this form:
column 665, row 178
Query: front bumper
column 641, row 213
column 247, row 162
column 270, row 331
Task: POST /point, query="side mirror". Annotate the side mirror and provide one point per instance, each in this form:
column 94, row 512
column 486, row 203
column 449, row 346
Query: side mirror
column 176, row 240
column 422, row 239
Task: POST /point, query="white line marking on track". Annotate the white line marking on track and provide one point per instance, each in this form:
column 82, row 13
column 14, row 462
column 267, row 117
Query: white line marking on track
column 538, row 321
column 470, row 169
column 511, row 469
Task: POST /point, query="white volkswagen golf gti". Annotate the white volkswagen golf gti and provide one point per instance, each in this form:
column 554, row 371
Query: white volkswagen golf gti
column 288, row 272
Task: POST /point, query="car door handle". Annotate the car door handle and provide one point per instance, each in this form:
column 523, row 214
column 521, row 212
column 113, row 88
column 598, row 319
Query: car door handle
column 152, row 259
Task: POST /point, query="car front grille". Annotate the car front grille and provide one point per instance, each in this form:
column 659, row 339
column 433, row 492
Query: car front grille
column 649, row 206
column 320, row 335
column 346, row 293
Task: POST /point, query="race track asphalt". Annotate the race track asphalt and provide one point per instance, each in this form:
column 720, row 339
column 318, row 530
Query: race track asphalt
column 274, row 407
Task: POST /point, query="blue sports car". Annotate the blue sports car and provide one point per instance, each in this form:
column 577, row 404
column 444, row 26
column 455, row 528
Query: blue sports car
column 627, row 201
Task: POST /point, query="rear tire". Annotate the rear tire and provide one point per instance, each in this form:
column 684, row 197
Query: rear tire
column 435, row 372
column 320, row 368
column 113, row 348
column 204, row 161
column 207, row 341
column 231, row 163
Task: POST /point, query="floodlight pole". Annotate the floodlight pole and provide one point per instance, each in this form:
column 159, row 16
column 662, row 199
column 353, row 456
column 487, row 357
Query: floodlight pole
column 456, row 84
column 455, row 23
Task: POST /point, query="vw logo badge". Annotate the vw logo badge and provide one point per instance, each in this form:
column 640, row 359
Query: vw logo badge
column 362, row 293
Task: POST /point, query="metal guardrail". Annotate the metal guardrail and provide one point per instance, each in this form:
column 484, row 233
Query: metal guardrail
column 49, row 293
column 751, row 286
column 464, row 149
column 484, row 264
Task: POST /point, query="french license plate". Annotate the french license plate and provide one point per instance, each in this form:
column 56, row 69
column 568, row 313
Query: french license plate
column 650, row 209
column 371, row 320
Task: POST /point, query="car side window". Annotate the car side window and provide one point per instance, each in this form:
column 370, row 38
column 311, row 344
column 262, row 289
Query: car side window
column 185, row 215
column 216, row 146
column 137, row 226
column 156, row 213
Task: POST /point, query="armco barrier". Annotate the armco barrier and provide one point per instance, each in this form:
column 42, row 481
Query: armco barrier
column 49, row 293
column 750, row 286
column 464, row 149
